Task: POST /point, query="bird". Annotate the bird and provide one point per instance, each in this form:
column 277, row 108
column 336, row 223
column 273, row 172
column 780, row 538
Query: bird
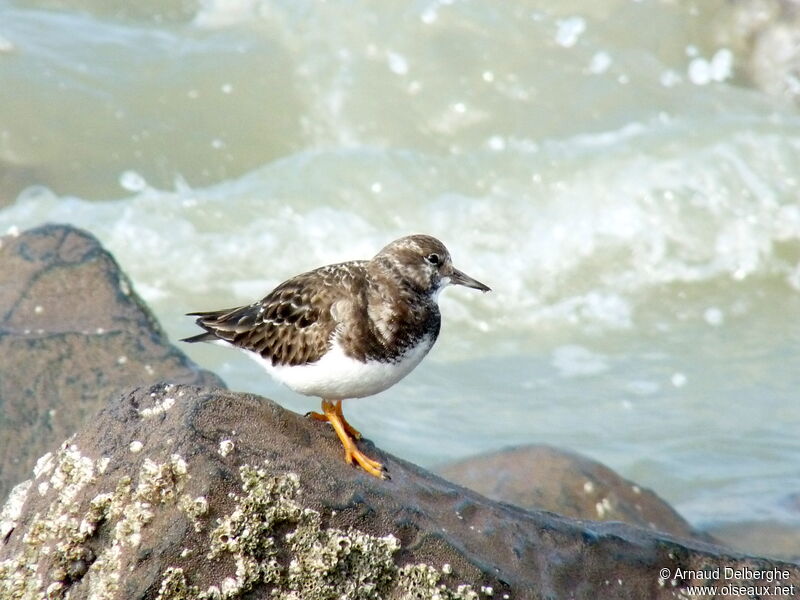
column 346, row 330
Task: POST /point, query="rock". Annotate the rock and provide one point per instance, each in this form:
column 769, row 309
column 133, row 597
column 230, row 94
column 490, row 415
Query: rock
column 177, row 492
column 778, row 540
column 73, row 334
column 546, row 478
column 774, row 539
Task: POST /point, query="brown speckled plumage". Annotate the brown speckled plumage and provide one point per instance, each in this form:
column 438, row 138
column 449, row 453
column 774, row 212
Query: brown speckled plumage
column 377, row 308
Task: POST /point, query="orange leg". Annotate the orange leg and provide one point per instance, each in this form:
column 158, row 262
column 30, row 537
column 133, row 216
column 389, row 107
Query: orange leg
column 332, row 414
column 351, row 431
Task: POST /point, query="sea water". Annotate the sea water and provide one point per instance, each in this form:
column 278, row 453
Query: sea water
column 604, row 166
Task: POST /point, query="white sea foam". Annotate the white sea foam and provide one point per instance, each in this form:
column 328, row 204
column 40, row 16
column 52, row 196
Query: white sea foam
column 583, row 248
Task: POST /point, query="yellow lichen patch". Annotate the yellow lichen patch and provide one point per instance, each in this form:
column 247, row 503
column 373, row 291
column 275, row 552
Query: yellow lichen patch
column 194, row 508
column 13, row 507
column 57, row 538
column 59, row 531
column 421, row 582
column 247, row 534
column 267, row 539
column 174, row 585
column 268, row 522
column 158, row 484
column 359, row 565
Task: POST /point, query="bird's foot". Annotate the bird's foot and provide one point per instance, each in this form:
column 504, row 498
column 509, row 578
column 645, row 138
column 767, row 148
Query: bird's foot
column 332, row 414
column 373, row 467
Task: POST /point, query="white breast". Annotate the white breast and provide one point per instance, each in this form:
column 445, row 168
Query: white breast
column 336, row 376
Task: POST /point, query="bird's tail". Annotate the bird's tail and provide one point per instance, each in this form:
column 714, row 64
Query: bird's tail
column 215, row 324
column 206, row 336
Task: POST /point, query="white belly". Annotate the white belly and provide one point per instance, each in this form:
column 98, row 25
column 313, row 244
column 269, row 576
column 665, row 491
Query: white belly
column 336, row 376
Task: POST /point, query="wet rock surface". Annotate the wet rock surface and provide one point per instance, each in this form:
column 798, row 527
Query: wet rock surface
column 186, row 492
column 546, row 478
column 73, row 334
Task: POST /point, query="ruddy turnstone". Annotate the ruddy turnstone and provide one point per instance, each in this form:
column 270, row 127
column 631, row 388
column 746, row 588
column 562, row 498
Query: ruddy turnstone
column 346, row 330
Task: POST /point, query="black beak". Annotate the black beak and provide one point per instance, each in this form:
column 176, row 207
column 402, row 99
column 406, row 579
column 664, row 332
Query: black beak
column 459, row 278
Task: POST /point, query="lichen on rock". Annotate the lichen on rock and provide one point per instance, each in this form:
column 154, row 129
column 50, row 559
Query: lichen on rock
column 174, row 586
column 267, row 538
column 421, row 582
column 56, row 552
column 247, row 534
column 58, row 533
column 12, row 508
column 267, row 524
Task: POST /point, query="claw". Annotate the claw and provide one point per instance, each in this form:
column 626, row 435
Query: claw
column 346, row 433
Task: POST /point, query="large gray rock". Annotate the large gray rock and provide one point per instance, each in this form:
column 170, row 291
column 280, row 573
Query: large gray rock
column 73, row 334
column 180, row 492
column 546, row 478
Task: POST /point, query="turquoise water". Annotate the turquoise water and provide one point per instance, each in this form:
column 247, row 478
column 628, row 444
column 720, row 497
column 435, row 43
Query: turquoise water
column 628, row 194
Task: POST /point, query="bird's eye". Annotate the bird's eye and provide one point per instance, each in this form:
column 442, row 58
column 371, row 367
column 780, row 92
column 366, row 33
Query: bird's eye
column 433, row 259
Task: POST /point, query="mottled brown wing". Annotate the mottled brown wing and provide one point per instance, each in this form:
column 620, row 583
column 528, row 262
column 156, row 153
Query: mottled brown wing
column 292, row 325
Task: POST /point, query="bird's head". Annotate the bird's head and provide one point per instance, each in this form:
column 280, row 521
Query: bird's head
column 425, row 263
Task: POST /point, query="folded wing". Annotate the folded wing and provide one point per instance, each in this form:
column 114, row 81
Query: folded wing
column 292, row 325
